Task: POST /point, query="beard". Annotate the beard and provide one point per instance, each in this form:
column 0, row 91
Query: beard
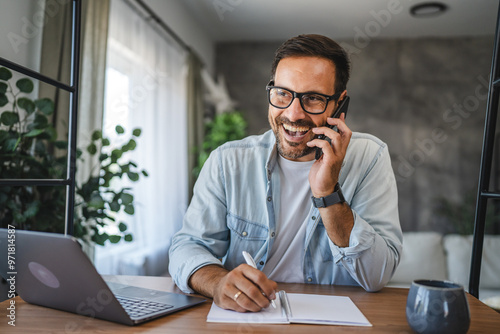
column 287, row 149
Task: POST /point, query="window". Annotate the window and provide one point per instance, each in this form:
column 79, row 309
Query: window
column 146, row 88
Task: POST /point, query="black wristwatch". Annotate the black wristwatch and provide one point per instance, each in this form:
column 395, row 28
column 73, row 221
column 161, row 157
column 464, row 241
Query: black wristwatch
column 333, row 198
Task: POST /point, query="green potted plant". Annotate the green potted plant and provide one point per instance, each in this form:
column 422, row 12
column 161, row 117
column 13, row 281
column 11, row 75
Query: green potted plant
column 224, row 127
column 29, row 149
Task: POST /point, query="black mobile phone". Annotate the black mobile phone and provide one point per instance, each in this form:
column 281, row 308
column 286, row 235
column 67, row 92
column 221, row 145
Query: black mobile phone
column 342, row 108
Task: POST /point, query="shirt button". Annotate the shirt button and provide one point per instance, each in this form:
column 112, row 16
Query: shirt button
column 309, row 279
column 244, row 234
column 273, row 234
column 261, row 263
column 313, row 217
column 269, row 199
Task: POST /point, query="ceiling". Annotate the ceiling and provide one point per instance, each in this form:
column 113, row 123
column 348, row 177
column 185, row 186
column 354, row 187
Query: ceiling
column 247, row 20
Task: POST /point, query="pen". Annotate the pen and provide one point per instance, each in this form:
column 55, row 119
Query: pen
column 250, row 261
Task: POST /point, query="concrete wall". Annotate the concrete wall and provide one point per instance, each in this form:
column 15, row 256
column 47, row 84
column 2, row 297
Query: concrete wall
column 426, row 98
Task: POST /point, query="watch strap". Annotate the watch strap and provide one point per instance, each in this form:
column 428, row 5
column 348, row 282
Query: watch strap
column 333, row 198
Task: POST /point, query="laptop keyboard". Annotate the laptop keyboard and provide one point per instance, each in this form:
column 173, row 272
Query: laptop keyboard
column 138, row 308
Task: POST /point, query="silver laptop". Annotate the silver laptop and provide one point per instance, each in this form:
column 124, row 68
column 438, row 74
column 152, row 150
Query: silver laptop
column 51, row 270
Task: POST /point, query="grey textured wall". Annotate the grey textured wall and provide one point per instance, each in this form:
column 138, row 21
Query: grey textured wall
column 426, row 98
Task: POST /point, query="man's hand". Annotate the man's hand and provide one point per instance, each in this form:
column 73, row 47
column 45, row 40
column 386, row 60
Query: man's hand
column 243, row 289
column 324, row 175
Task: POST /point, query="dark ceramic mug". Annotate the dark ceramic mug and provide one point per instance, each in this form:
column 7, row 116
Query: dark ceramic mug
column 437, row 307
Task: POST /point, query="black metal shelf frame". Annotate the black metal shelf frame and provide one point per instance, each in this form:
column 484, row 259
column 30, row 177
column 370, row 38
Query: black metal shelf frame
column 73, row 89
column 483, row 194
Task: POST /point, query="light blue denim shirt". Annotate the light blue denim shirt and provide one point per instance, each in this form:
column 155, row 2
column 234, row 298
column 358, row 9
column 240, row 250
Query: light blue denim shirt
column 235, row 201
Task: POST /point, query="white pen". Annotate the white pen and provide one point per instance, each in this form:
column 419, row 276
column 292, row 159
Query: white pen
column 251, row 262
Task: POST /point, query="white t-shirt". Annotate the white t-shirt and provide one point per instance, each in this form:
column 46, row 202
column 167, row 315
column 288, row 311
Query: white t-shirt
column 285, row 260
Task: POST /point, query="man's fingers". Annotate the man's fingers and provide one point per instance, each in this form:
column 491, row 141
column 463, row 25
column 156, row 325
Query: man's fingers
column 343, row 129
column 244, row 288
column 244, row 303
column 267, row 286
column 327, row 132
column 248, row 304
column 321, row 143
column 257, row 287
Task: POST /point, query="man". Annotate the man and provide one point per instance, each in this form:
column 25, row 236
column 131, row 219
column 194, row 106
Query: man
column 254, row 195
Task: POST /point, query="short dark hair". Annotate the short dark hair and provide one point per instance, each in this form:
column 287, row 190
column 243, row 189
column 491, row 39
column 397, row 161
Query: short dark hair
column 316, row 46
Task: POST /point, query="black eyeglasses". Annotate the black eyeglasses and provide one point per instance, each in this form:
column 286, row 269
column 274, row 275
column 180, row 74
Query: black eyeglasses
column 312, row 103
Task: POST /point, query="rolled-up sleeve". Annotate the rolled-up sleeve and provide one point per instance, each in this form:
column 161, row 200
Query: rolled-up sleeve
column 376, row 238
column 204, row 236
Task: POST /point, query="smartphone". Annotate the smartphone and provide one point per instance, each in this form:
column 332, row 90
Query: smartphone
column 342, row 108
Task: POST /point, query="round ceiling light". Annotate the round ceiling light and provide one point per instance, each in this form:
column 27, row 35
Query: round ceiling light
column 428, row 9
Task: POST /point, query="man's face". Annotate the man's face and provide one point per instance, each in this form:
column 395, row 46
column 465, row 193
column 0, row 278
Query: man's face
column 293, row 126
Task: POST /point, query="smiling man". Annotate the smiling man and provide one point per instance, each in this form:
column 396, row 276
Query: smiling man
column 331, row 220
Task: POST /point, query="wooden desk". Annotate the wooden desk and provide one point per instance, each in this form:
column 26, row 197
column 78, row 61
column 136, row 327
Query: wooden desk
column 384, row 309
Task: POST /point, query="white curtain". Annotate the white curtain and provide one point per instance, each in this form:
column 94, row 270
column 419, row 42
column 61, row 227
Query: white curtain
column 146, row 80
column 91, row 99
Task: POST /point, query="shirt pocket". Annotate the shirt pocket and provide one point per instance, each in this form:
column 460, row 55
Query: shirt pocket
column 244, row 236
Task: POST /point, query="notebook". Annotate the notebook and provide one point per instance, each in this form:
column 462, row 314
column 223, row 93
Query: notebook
column 51, row 270
column 298, row 308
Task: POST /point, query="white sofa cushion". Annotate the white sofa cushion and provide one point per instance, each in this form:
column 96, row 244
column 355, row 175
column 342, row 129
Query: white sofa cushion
column 423, row 257
column 459, row 251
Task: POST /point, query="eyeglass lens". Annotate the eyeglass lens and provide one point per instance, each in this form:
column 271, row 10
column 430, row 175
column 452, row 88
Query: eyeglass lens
column 283, row 98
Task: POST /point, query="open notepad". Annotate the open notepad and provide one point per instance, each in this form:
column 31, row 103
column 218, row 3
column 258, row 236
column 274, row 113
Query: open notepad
column 298, row 308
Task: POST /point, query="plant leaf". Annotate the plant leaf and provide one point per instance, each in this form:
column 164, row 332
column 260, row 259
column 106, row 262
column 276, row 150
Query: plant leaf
column 3, row 87
column 115, row 155
column 9, row 118
column 34, row 133
column 131, row 145
column 46, row 106
column 133, row 176
column 3, row 136
column 122, row 227
column 61, row 144
column 128, row 237
column 32, row 209
column 11, row 144
column 136, row 132
column 5, row 74
column 129, row 209
column 3, row 100
column 100, row 239
column 26, row 104
column 51, row 132
column 25, row 85
column 114, row 206
column 126, row 198
column 96, row 201
column 119, row 129
column 97, row 134
column 40, row 121
column 114, row 239
column 92, row 149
